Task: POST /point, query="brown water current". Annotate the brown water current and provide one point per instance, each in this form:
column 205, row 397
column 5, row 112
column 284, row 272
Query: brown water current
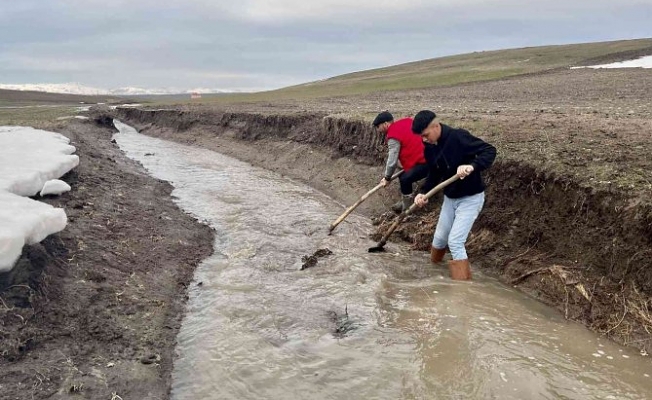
column 257, row 327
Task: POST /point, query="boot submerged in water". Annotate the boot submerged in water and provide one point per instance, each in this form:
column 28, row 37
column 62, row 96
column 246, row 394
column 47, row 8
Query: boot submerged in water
column 437, row 255
column 460, row 270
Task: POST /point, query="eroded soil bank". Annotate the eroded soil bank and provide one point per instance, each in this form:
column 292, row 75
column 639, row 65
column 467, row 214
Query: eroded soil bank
column 562, row 221
column 94, row 311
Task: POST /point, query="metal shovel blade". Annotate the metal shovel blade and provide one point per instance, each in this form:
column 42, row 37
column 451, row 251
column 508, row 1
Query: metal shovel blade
column 377, row 249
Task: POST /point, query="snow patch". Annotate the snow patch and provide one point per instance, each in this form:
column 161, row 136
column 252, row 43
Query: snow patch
column 54, row 186
column 29, row 159
column 72, row 117
column 643, row 62
column 25, row 221
column 77, row 88
column 132, row 105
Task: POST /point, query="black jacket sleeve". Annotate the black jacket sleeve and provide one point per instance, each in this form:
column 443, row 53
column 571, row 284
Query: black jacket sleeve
column 461, row 147
column 483, row 153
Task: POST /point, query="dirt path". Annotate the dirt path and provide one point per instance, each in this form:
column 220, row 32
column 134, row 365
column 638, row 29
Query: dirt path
column 99, row 311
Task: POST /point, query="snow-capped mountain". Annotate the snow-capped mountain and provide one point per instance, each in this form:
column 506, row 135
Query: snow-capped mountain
column 67, row 88
column 76, row 88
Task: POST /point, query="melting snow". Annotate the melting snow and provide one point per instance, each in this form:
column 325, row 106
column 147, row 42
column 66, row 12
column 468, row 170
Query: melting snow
column 643, row 62
column 29, row 158
column 54, row 186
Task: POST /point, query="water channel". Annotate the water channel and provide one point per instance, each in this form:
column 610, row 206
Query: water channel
column 257, row 327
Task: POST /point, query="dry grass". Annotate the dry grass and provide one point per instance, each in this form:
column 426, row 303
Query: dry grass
column 37, row 117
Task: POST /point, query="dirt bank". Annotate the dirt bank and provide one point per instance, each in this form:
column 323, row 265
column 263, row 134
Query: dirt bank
column 94, row 310
column 568, row 217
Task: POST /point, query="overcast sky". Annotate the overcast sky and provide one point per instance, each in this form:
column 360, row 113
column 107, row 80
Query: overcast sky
column 256, row 45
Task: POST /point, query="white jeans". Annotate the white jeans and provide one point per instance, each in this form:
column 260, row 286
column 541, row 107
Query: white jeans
column 455, row 221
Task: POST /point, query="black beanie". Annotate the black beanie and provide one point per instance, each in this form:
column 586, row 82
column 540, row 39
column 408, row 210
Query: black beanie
column 422, row 120
column 381, row 118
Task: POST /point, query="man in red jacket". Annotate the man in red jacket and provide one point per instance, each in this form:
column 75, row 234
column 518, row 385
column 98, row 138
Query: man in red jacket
column 406, row 148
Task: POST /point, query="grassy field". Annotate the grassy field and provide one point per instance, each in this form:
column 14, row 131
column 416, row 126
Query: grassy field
column 13, row 98
column 37, row 108
column 37, row 117
column 452, row 70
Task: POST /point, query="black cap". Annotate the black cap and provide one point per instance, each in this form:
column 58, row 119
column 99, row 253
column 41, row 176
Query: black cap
column 381, row 118
column 422, row 120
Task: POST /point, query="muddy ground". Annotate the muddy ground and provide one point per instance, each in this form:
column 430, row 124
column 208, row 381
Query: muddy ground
column 568, row 218
column 94, row 310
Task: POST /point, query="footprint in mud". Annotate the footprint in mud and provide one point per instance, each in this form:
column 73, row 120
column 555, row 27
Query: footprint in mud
column 311, row 261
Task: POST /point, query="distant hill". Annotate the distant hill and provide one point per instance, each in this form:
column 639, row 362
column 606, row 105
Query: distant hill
column 9, row 98
column 455, row 70
column 430, row 73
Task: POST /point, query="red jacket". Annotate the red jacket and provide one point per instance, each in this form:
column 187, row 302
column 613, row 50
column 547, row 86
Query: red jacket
column 411, row 144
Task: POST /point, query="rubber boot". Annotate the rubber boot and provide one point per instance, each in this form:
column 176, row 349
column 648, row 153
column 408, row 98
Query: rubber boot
column 407, row 201
column 436, row 255
column 460, row 270
column 403, row 204
column 398, row 207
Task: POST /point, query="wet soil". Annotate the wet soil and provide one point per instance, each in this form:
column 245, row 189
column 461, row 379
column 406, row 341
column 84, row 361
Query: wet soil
column 93, row 311
column 310, row 261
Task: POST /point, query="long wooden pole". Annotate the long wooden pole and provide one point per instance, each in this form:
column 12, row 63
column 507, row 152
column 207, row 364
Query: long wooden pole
column 357, row 203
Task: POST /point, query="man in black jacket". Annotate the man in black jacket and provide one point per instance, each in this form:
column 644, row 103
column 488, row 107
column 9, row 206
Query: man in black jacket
column 451, row 151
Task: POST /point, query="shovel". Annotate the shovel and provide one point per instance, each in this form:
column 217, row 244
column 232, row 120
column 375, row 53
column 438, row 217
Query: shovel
column 381, row 245
column 357, row 203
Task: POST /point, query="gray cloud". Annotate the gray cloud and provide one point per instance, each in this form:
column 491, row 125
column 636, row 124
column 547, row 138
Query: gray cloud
column 267, row 44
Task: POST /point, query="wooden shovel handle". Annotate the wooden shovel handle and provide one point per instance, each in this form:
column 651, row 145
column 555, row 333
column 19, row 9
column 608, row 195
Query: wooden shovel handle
column 360, row 200
column 413, row 207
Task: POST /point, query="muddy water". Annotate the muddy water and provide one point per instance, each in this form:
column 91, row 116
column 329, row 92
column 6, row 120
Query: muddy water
column 357, row 325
